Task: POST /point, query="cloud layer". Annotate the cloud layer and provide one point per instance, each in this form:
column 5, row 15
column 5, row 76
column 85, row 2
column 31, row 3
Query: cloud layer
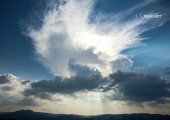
column 136, row 88
column 139, row 87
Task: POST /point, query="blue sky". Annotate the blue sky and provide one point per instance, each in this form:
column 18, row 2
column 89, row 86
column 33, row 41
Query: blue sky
column 17, row 51
column 62, row 52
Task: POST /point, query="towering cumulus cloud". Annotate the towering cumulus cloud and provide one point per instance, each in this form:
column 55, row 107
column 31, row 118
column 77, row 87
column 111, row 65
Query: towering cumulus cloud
column 68, row 31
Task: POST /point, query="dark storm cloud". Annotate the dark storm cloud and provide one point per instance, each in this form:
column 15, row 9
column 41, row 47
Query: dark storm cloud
column 84, row 78
column 160, row 102
column 7, row 88
column 27, row 102
column 131, row 87
column 38, row 92
column 4, row 79
column 139, row 87
column 81, row 70
column 64, row 85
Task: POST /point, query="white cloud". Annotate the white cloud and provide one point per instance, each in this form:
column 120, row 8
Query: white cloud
column 10, row 91
column 13, row 86
column 67, row 33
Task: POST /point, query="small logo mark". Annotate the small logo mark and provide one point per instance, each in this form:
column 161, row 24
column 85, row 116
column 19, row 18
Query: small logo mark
column 149, row 16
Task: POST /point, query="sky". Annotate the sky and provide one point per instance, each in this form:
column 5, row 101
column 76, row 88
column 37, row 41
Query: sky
column 85, row 56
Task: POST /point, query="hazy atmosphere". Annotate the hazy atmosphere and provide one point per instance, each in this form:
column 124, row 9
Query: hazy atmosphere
column 85, row 57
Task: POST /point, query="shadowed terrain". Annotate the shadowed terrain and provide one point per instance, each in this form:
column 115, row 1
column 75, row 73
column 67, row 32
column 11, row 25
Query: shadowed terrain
column 30, row 115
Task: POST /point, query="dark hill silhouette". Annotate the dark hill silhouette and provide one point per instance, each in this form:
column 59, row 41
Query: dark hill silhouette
column 30, row 115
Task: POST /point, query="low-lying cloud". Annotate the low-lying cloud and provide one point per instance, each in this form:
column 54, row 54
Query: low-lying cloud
column 82, row 79
column 128, row 87
column 11, row 89
column 137, row 87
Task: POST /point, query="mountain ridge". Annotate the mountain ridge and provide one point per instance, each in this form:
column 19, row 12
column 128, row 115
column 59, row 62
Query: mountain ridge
column 31, row 115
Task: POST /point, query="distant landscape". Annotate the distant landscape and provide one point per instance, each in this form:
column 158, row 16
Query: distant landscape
column 31, row 115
